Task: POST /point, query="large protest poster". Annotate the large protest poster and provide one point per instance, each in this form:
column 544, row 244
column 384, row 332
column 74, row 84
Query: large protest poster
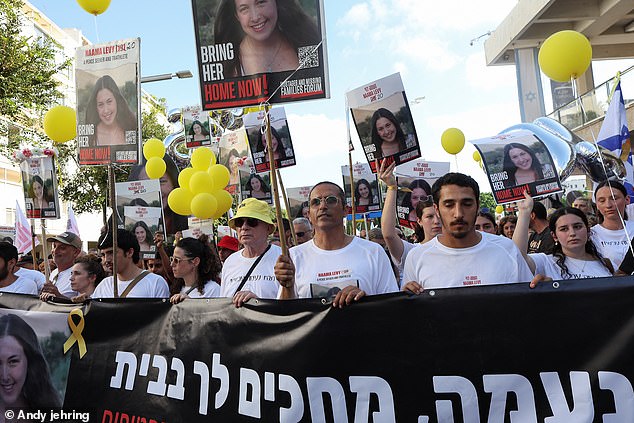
column 198, row 227
column 140, row 211
column 366, row 188
column 204, row 359
column 107, row 77
column 197, row 127
column 39, row 180
column 414, row 180
column 516, row 162
column 281, row 142
column 260, row 52
column 384, row 122
column 298, row 201
column 233, row 153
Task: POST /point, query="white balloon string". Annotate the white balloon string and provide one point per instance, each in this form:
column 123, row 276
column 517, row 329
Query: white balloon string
column 301, row 65
column 96, row 29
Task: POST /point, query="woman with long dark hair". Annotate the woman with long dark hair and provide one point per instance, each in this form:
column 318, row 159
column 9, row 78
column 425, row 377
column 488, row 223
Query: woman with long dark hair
column 143, row 234
column 39, row 194
column 23, row 368
column 257, row 187
column 521, row 165
column 196, row 269
column 387, row 135
column 198, row 132
column 265, row 35
column 109, row 114
column 279, row 152
column 574, row 256
column 419, row 190
column 363, row 194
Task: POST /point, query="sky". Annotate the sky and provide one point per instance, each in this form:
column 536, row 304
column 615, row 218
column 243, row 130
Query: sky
column 428, row 42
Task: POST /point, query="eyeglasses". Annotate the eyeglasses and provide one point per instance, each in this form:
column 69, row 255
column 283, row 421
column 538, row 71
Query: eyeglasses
column 331, row 200
column 176, row 260
column 300, row 234
column 252, row 222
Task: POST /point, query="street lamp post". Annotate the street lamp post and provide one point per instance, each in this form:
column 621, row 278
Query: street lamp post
column 166, row 76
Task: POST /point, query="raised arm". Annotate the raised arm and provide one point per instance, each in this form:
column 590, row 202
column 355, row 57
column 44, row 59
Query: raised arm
column 520, row 236
column 388, row 217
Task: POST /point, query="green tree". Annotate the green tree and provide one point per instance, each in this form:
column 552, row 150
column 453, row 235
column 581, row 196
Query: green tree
column 487, row 200
column 87, row 188
column 27, row 68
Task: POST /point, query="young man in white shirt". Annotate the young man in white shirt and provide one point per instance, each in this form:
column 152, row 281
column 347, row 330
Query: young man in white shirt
column 8, row 281
column 66, row 248
column 333, row 263
column 22, row 269
column 462, row 256
column 132, row 282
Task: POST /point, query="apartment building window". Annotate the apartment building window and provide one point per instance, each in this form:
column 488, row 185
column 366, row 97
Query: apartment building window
column 9, row 217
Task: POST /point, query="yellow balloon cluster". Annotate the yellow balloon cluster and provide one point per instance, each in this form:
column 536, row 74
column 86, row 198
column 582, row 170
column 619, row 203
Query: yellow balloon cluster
column 565, row 55
column 60, row 124
column 201, row 191
column 452, row 140
column 94, row 7
column 153, row 151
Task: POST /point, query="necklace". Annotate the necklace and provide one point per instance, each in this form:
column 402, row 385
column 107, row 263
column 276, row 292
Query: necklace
column 269, row 67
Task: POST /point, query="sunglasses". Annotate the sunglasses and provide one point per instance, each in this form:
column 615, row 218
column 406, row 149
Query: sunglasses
column 251, row 222
column 331, row 200
column 300, row 234
column 176, row 260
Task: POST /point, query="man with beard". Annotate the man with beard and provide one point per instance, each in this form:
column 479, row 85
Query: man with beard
column 8, row 281
column 462, row 256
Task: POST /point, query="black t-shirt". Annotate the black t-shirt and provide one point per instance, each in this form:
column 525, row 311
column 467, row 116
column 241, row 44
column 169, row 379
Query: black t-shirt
column 541, row 242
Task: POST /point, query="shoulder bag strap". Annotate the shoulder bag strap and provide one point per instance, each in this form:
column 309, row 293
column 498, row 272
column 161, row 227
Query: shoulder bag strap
column 133, row 283
column 255, row 263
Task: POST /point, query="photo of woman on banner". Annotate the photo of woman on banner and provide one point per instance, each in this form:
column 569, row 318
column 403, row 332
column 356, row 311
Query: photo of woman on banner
column 387, row 135
column 266, row 35
column 169, row 181
column 39, row 193
column 144, row 236
column 279, row 151
column 521, row 165
column 414, row 191
column 38, row 181
column 256, row 187
column 110, row 115
column 364, row 195
column 198, row 132
column 25, row 379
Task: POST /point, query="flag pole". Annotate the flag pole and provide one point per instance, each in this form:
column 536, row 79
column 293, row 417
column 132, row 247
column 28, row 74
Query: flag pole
column 47, row 266
column 115, row 226
column 35, row 266
column 288, row 209
column 354, row 211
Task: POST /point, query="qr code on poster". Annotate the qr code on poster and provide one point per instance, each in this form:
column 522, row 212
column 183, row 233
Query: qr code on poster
column 308, row 56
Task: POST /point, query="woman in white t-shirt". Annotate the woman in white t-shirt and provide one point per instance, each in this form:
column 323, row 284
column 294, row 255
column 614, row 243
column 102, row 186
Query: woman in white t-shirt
column 195, row 267
column 85, row 275
column 613, row 234
column 574, row 254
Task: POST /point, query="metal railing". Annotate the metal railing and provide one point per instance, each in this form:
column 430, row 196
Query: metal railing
column 595, row 102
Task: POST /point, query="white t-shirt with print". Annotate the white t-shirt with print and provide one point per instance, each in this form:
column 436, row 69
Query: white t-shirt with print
column 612, row 244
column 210, row 290
column 151, row 286
column 62, row 281
column 363, row 262
column 21, row 285
column 38, row 277
column 546, row 265
column 262, row 280
column 493, row 260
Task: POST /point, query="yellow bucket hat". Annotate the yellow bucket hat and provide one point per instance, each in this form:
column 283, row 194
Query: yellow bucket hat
column 252, row 207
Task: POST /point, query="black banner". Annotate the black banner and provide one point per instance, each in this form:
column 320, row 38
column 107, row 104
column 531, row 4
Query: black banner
column 481, row 354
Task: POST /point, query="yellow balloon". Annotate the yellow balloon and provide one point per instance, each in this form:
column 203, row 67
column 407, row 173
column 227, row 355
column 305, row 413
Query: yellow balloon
column 201, row 181
column 60, row 124
column 220, row 175
column 153, row 148
column 224, row 200
column 94, row 7
column 204, row 205
column 476, row 156
column 499, row 209
column 184, row 176
column 202, row 158
column 180, row 200
column 452, row 140
column 155, row 167
column 565, row 55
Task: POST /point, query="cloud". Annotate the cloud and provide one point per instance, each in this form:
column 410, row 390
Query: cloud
column 481, row 76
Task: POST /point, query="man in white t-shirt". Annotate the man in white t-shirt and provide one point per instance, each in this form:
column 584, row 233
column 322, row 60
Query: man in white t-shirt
column 254, row 223
column 462, row 256
column 24, row 268
column 333, row 263
column 66, row 248
column 8, row 281
column 132, row 282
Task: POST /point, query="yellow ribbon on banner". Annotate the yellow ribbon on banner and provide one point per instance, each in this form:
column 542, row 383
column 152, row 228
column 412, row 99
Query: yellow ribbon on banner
column 76, row 335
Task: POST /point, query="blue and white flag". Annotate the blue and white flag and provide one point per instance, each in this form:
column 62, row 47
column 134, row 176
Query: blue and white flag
column 615, row 136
